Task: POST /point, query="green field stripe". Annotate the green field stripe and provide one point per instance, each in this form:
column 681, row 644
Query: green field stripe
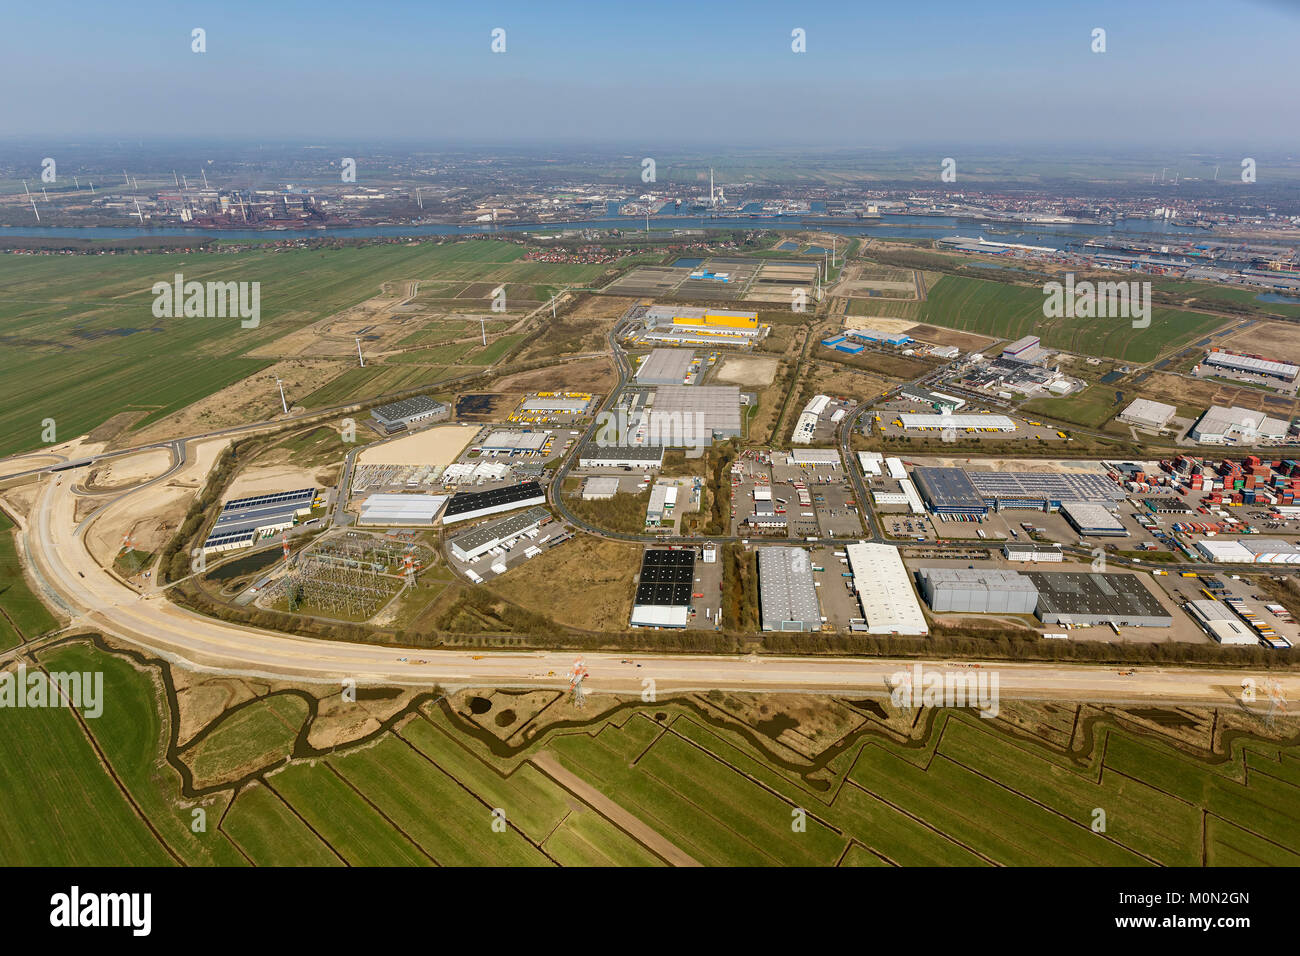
column 1145, row 820
column 271, row 834
column 1230, row 845
column 859, row 856
column 761, row 816
column 61, row 806
column 1267, row 807
column 891, row 832
column 26, row 614
column 585, row 838
column 532, row 801
column 133, row 733
column 961, row 803
column 1280, row 766
column 255, row 735
column 405, row 786
column 355, row 830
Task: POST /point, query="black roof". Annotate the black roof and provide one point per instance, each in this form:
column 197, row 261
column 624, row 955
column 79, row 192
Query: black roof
column 666, row 578
column 474, row 500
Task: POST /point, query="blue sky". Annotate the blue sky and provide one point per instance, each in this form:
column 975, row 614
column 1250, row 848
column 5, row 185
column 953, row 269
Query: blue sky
column 892, row 74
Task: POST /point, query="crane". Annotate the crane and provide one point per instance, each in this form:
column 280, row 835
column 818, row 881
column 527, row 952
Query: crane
column 576, row 676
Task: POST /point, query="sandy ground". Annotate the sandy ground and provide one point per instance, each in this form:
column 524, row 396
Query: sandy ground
column 439, row 445
column 131, row 470
column 251, row 399
column 594, row 375
column 878, row 322
column 748, row 371
column 966, row 341
column 153, row 515
column 265, row 479
column 1016, row 464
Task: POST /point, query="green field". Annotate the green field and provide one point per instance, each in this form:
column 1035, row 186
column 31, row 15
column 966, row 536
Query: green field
column 694, row 776
column 22, row 615
column 82, row 343
column 1010, row 311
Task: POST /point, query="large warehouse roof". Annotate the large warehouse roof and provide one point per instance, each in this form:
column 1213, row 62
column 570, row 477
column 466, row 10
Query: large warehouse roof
column 663, row 593
column 466, row 505
column 260, row 511
column 1251, row 363
column 1089, row 597
column 1143, row 411
column 407, row 408
column 885, row 590
column 1001, row 422
column 1089, row 518
column 665, row 367
column 401, row 509
column 679, row 409
column 510, row 440
column 475, row 541
column 948, row 489
column 1045, row 486
column 786, row 591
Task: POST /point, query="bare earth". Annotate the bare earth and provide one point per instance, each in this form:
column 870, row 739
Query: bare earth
column 439, row 445
column 748, row 371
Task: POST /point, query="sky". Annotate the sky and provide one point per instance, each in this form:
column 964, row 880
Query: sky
column 1186, row 73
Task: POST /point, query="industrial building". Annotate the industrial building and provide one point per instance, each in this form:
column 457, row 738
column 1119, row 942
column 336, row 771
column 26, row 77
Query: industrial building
column 1092, row 520
column 663, row 592
column 1026, row 351
column 688, row 416
column 574, row 404
column 945, row 422
column 936, row 400
column 399, row 509
column 815, row 456
column 877, row 337
column 949, row 491
column 1033, row 552
column 871, row 462
column 509, row 442
column 1249, row 550
column 599, row 488
column 807, row 423
column 663, row 499
column 468, row 505
column 787, row 594
column 1252, row 364
column 1221, row 425
column 1043, row 491
column 243, row 520
column 884, row 589
column 1086, row 599
column 666, row 367
column 704, row 322
column 1147, row 414
column 643, row 457
column 971, row 591
column 395, row 416
column 1219, row 621
column 473, row 543
column 1222, row 551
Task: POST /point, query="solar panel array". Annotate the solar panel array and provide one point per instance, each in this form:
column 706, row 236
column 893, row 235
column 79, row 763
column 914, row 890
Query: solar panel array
column 467, row 501
column 666, row 578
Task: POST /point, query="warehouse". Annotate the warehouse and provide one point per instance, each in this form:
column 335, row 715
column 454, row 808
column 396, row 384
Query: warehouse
column 1043, row 491
column 1033, row 552
column 1221, row 425
column 1147, row 414
column 1252, row 364
column 663, row 592
column 787, row 594
column 468, row 505
column 663, row 499
column 815, row 456
column 243, row 520
column 949, row 491
column 1027, row 351
column 1092, row 519
column 871, row 462
column 806, row 426
column 503, row 442
column 599, row 488
column 1085, row 599
column 973, row 591
column 1218, row 551
column 936, row 400
column 409, row 510
column 998, row 423
column 473, row 543
column 1168, row 506
column 1218, row 621
column 643, row 457
column 1271, row 550
column 884, row 588
column 692, row 416
column 395, row 416
column 573, row 403
column 666, row 367
column 703, row 322
column 875, row 336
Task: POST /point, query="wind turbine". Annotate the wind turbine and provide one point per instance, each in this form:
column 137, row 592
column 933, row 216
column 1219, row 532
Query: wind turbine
column 283, row 403
column 360, row 357
column 35, row 210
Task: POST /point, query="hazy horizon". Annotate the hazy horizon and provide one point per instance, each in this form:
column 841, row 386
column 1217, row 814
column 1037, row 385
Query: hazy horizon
column 951, row 75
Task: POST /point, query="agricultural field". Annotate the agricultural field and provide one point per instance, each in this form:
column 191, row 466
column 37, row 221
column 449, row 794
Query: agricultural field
column 298, row 777
column 82, row 344
column 1010, row 311
column 22, row 615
